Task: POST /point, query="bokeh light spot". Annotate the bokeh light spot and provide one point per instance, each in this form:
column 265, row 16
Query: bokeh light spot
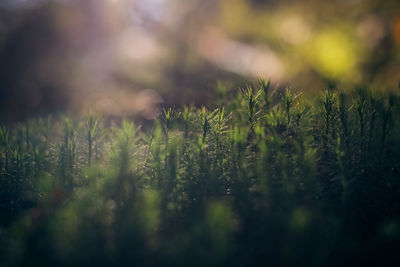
column 334, row 54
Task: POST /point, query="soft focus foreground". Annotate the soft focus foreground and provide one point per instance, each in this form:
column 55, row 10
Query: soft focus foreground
column 271, row 179
column 125, row 57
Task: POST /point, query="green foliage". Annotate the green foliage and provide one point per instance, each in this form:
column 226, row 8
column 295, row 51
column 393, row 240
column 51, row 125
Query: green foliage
column 269, row 178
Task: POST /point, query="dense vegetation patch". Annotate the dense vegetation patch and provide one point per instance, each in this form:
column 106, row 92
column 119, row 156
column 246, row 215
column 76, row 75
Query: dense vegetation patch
column 267, row 178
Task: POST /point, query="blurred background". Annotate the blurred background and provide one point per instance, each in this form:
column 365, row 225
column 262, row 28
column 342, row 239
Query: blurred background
column 128, row 57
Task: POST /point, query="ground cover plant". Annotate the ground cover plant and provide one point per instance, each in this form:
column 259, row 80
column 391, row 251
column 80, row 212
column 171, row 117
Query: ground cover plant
column 266, row 178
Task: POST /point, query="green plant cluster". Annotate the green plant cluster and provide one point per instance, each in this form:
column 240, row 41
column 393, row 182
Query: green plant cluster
column 267, row 178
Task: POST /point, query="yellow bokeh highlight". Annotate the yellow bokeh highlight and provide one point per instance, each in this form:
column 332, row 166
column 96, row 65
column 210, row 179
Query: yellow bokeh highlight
column 334, row 54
